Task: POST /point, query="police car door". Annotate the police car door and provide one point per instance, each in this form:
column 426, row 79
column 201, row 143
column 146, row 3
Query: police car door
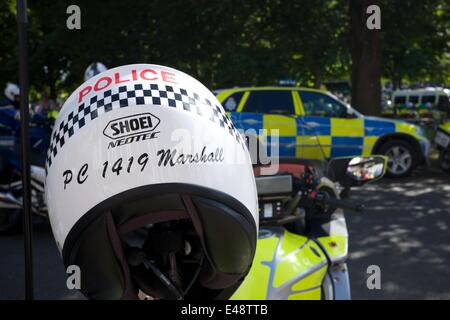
column 339, row 132
column 271, row 114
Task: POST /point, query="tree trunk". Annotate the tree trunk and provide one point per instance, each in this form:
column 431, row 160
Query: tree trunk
column 366, row 59
column 53, row 94
column 398, row 83
column 317, row 79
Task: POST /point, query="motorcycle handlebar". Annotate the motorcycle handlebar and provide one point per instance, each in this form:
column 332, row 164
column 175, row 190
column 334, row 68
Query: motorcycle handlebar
column 343, row 204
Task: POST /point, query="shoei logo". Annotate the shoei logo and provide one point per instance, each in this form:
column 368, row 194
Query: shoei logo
column 131, row 129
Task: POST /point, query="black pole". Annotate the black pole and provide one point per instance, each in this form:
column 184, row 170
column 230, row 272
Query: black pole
column 22, row 21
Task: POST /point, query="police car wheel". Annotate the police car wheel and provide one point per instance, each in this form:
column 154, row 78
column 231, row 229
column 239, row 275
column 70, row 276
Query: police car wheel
column 401, row 158
column 444, row 160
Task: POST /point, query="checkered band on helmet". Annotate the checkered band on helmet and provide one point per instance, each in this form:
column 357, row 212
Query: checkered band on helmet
column 134, row 95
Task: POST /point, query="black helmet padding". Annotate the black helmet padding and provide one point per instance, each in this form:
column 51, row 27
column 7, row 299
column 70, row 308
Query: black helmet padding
column 106, row 276
column 224, row 226
column 224, row 230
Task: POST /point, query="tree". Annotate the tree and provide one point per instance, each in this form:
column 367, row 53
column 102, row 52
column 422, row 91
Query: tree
column 313, row 39
column 366, row 59
column 415, row 40
column 235, row 43
column 9, row 63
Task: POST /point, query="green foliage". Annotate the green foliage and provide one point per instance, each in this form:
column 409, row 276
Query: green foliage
column 222, row 43
column 8, row 38
column 416, row 40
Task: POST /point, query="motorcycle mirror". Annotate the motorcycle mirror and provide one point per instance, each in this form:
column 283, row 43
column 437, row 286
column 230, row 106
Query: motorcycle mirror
column 274, row 185
column 356, row 171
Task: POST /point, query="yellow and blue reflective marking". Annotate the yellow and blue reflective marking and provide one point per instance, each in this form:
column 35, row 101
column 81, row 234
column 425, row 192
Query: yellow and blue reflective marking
column 347, row 127
column 312, row 125
column 378, row 127
column 314, row 136
column 286, row 145
column 246, row 121
column 287, row 133
column 346, row 146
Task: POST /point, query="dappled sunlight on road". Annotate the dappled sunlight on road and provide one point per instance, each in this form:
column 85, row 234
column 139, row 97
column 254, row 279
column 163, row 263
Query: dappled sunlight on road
column 405, row 231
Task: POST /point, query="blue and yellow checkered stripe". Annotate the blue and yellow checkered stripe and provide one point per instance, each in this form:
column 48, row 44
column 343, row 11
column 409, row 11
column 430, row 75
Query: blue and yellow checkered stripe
column 316, row 137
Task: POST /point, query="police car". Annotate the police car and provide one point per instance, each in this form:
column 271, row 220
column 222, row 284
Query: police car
column 315, row 124
column 426, row 101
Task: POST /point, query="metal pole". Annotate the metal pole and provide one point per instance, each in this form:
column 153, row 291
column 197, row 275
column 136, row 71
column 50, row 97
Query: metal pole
column 22, row 21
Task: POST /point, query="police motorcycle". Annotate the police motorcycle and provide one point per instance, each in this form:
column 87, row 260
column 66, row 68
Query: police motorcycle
column 10, row 171
column 10, row 174
column 303, row 240
column 168, row 207
column 442, row 141
column 10, row 177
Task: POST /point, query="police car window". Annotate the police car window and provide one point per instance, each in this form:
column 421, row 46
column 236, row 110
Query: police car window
column 319, row 104
column 414, row 99
column 428, row 99
column 270, row 101
column 400, row 99
column 443, row 102
column 232, row 102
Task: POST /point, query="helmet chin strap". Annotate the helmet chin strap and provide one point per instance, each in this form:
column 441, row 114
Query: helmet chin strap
column 197, row 273
column 136, row 257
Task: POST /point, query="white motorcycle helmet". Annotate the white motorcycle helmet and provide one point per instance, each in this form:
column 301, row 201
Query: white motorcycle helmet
column 150, row 188
column 94, row 69
column 12, row 90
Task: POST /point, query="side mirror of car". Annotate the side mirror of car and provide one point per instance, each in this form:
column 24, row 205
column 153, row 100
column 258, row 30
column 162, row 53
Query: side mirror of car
column 350, row 114
column 356, row 171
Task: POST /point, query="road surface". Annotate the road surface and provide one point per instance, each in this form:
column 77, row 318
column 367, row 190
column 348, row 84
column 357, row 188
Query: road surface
column 404, row 231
